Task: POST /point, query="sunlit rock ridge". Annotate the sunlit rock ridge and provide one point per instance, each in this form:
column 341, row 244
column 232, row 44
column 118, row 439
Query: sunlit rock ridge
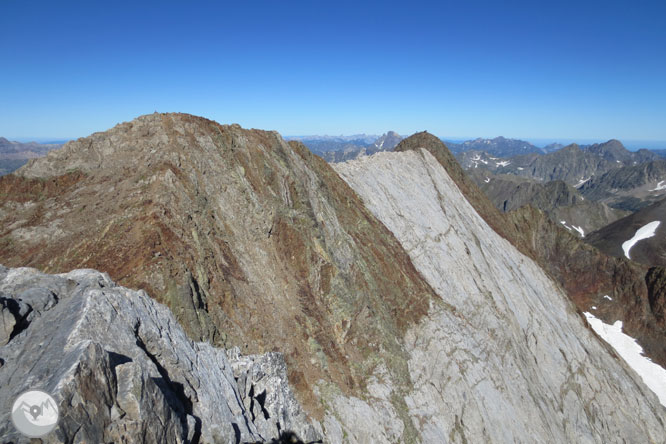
column 503, row 355
column 401, row 315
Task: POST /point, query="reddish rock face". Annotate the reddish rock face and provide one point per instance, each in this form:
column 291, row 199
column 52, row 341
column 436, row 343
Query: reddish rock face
column 250, row 241
column 257, row 243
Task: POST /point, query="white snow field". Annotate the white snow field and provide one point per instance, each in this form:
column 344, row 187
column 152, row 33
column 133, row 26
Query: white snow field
column 654, row 376
column 644, row 232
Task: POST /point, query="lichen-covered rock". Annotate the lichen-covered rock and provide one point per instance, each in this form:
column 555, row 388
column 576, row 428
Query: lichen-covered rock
column 122, row 369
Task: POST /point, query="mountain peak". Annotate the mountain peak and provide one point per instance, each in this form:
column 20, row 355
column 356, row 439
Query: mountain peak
column 145, row 140
column 419, row 140
column 386, row 142
column 571, row 147
column 612, row 150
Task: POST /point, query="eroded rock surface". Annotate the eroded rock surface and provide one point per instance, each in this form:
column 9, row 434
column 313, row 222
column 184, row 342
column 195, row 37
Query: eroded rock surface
column 251, row 241
column 122, row 370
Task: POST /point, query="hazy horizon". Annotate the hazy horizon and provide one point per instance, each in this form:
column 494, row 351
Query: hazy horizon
column 631, row 145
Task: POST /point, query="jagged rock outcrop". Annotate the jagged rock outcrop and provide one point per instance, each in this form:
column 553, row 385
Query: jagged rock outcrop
column 630, row 188
column 503, row 345
column 561, row 202
column 122, row 370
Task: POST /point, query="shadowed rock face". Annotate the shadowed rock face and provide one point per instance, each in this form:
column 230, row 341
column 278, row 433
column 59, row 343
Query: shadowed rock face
column 121, row 368
column 251, row 242
column 650, row 251
column 561, row 202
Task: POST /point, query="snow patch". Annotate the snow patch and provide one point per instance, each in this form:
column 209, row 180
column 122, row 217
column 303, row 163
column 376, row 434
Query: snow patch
column 644, row 232
column 659, row 186
column 608, row 297
column 502, row 163
column 564, row 222
column 581, row 182
column 580, row 230
column 487, row 180
column 653, row 375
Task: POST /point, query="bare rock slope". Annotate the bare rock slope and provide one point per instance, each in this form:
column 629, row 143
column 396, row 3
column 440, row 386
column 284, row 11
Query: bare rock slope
column 503, row 345
column 637, row 293
column 251, row 241
column 122, row 370
column 256, row 243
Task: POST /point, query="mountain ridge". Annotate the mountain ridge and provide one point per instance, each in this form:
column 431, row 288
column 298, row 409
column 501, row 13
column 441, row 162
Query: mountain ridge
column 574, row 164
column 583, row 271
column 285, row 232
column 13, row 155
column 258, row 243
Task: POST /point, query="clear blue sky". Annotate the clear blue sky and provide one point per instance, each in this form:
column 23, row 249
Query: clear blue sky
column 549, row 70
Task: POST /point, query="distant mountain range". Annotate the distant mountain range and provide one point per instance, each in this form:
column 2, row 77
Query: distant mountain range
column 341, row 149
column 572, row 164
column 380, row 300
column 324, row 144
column 499, row 147
column 13, row 155
column 563, row 203
column 630, row 188
column 591, row 191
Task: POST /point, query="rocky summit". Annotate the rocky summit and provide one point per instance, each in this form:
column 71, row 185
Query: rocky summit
column 120, row 367
column 394, row 298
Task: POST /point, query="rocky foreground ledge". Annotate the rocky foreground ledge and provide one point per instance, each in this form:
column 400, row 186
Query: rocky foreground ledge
column 122, row 370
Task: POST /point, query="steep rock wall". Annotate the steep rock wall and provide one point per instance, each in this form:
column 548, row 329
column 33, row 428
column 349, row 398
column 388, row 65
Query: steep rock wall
column 503, row 355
